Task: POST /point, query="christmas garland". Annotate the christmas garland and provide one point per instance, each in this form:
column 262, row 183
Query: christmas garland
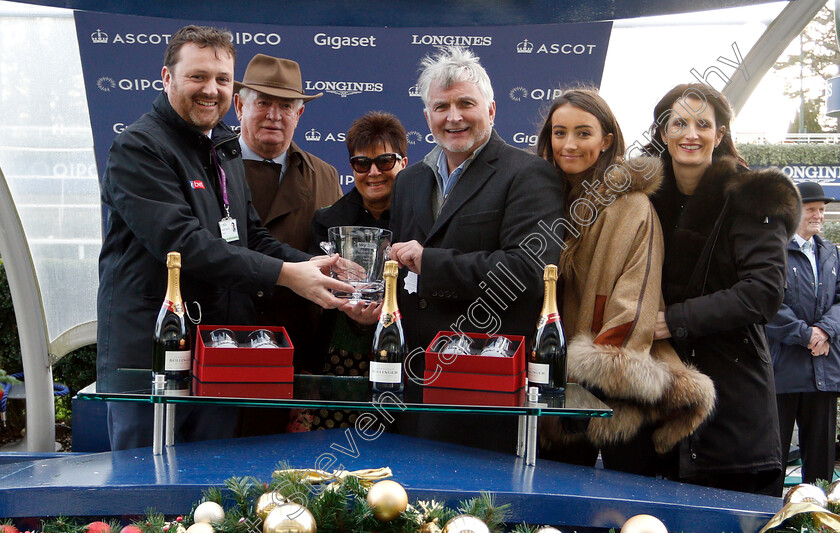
column 362, row 502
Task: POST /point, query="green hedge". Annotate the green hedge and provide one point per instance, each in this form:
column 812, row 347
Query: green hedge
column 76, row 370
column 790, row 154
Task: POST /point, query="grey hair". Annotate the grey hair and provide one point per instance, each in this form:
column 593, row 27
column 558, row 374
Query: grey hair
column 245, row 92
column 449, row 66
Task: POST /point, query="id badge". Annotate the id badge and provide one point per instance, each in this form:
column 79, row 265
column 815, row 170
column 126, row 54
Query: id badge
column 227, row 226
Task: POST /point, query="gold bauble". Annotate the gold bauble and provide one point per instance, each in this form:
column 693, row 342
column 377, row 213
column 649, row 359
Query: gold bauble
column 805, row 492
column 643, row 523
column 834, row 493
column 388, row 499
column 200, row 527
column 267, row 502
column 208, row 512
column 465, row 523
column 289, row 517
column 430, row 527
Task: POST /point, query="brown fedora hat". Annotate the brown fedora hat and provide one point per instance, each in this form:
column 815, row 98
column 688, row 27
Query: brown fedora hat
column 274, row 76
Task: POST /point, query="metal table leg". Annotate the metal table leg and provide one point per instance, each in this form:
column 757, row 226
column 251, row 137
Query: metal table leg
column 157, row 435
column 170, row 424
column 521, row 436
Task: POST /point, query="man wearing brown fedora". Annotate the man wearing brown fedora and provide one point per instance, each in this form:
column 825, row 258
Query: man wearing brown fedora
column 287, row 184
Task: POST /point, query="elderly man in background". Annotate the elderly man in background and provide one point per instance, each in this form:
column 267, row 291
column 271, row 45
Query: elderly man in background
column 287, row 184
column 805, row 342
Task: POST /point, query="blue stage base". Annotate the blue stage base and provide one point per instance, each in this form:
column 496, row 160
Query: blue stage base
column 130, row 481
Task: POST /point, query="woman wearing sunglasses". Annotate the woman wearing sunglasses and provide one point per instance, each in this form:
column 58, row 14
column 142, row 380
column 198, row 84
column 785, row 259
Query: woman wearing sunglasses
column 376, row 143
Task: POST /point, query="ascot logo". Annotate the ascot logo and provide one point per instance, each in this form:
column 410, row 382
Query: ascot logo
column 239, row 38
column 452, row 40
column 414, row 91
column 106, row 84
column 344, row 88
column 314, row 135
column 525, row 47
column 575, row 49
column 99, row 37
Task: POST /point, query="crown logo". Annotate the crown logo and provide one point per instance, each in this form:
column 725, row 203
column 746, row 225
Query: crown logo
column 99, row 37
column 525, row 47
column 313, row 135
column 414, row 91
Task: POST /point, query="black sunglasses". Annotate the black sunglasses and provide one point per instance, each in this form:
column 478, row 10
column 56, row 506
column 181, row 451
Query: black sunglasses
column 384, row 162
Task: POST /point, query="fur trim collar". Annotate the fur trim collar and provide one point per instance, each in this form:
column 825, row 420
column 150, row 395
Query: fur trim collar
column 641, row 387
column 640, row 174
column 761, row 193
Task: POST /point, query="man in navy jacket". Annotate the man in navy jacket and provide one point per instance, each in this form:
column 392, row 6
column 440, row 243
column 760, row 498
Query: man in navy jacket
column 805, row 344
column 175, row 182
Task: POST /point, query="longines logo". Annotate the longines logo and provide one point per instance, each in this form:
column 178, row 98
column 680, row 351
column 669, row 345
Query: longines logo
column 344, row 88
column 415, row 137
column 106, row 84
column 314, row 135
column 517, row 94
column 240, row 37
column 99, row 37
column 450, row 40
column 525, row 47
column 414, row 91
column 337, row 42
column 574, row 49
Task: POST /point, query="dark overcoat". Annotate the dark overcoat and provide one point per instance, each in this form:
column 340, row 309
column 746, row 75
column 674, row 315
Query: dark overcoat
column 723, row 279
column 789, row 332
column 477, row 273
column 162, row 191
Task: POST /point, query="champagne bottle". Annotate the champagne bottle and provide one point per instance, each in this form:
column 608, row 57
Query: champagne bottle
column 171, row 352
column 389, row 349
column 547, row 361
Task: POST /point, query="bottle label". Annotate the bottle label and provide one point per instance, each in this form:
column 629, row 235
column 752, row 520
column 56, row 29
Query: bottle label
column 385, row 372
column 386, row 319
column 550, row 319
column 177, row 360
column 178, row 308
column 538, row 373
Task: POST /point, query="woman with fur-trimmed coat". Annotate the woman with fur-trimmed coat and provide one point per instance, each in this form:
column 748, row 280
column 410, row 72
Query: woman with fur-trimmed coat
column 726, row 230
column 611, row 268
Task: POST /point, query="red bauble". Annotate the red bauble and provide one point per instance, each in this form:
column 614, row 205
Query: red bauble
column 98, row 527
column 131, row 528
column 7, row 528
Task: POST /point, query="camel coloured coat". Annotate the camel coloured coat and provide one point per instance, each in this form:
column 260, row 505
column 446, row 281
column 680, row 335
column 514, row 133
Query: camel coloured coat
column 610, row 307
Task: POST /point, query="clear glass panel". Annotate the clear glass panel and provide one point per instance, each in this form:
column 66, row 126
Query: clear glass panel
column 341, row 392
column 46, row 154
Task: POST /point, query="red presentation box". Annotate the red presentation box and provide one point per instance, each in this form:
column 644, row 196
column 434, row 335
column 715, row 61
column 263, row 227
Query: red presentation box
column 244, row 355
column 244, row 390
column 473, row 397
column 243, row 374
column 475, row 372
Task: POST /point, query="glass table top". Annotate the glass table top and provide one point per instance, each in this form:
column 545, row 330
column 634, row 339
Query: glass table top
column 343, row 392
